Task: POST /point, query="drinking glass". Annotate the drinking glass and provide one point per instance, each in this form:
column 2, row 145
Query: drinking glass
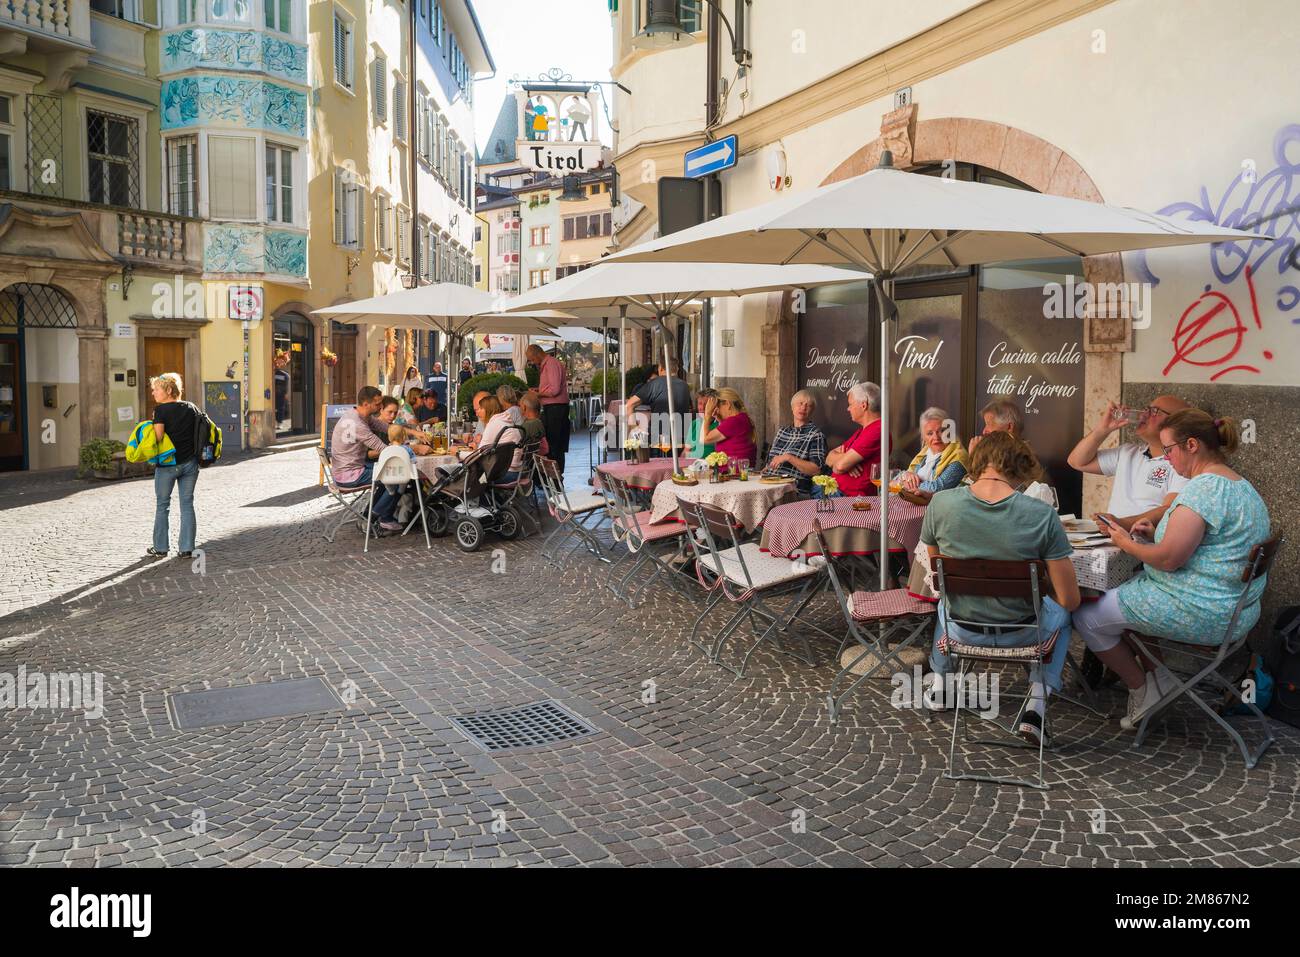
column 742, row 466
column 875, row 474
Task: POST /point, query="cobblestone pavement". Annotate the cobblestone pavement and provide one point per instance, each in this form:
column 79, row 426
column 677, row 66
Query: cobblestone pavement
column 716, row 770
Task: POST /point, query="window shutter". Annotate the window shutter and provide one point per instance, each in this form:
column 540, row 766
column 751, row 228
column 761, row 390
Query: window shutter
column 338, row 208
column 359, row 196
column 399, row 110
column 340, row 51
column 379, row 74
column 568, row 228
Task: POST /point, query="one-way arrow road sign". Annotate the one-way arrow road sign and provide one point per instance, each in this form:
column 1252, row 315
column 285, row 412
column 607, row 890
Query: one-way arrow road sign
column 711, row 158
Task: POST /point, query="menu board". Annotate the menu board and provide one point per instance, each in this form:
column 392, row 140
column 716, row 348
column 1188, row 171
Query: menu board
column 834, row 356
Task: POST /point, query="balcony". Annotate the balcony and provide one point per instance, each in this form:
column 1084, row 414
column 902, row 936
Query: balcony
column 154, row 237
column 44, row 26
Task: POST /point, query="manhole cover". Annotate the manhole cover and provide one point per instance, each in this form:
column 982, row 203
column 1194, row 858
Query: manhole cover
column 530, row 725
column 271, row 699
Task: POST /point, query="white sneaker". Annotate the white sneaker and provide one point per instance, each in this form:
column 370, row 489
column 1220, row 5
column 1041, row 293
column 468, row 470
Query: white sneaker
column 1140, row 701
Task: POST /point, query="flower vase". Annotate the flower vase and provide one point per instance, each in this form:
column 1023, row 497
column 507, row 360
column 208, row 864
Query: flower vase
column 715, row 475
column 642, row 455
column 825, row 504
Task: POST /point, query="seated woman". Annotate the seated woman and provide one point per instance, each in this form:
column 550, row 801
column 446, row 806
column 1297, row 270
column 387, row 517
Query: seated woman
column 697, row 448
column 509, row 400
column 939, row 465
column 1193, row 562
column 406, row 411
column 991, row 519
column 728, row 426
column 499, row 427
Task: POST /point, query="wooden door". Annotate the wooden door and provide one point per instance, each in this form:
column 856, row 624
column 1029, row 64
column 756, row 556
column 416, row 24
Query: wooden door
column 343, row 377
column 12, row 413
column 162, row 355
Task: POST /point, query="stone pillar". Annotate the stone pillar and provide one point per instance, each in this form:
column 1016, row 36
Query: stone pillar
column 92, row 371
column 780, row 344
column 1106, row 337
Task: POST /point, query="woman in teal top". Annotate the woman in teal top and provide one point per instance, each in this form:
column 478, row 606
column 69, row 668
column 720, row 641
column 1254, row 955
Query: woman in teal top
column 1193, row 562
column 699, row 449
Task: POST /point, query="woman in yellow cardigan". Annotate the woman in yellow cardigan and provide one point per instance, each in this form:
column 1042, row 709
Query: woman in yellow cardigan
column 939, row 465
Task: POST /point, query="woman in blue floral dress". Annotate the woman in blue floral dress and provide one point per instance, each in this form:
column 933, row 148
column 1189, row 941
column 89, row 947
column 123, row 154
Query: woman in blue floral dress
column 1193, row 562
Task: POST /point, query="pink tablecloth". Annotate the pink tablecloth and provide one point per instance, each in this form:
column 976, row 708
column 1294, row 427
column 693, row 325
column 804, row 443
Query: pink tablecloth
column 748, row 501
column 788, row 528
column 642, row 477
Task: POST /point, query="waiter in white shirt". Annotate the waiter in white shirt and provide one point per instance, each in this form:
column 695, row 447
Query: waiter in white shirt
column 1145, row 483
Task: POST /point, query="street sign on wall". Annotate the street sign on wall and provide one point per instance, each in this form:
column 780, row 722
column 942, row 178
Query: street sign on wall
column 710, row 158
column 246, row 303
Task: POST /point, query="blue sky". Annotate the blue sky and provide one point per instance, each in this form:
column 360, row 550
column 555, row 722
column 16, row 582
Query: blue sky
column 529, row 37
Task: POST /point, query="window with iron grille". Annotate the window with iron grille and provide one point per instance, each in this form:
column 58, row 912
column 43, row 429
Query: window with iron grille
column 112, row 148
column 279, row 15
column 399, row 110
column 183, row 175
column 379, row 83
column 279, row 183
column 343, row 55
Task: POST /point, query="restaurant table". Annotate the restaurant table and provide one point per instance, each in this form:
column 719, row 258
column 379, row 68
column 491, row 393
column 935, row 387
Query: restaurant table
column 426, row 464
column 788, row 528
column 644, row 477
column 1097, row 569
column 748, row 501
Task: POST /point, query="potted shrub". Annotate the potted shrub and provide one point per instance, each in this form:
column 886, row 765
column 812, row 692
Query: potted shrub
column 102, row 458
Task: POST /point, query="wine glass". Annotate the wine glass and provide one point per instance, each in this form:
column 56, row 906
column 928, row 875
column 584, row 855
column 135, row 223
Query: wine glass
column 875, row 474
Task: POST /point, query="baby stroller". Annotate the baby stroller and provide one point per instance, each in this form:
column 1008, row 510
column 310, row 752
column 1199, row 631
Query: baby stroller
column 463, row 499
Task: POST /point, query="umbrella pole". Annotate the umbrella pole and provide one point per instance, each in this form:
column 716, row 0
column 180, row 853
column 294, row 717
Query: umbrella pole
column 887, row 307
column 622, row 365
column 672, row 412
column 604, row 374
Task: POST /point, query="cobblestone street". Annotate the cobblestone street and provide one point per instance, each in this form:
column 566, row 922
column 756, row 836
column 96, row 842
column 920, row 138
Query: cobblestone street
column 716, row 770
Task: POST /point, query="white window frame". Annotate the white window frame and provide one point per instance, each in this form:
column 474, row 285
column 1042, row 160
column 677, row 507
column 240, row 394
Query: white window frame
column 198, row 168
column 15, row 131
column 295, row 174
column 294, row 17
column 532, row 277
column 345, row 21
column 209, row 17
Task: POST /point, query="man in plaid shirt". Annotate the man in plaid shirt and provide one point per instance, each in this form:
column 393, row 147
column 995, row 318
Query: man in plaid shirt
column 799, row 450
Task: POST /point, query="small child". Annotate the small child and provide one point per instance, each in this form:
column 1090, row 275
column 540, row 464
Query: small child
column 397, row 435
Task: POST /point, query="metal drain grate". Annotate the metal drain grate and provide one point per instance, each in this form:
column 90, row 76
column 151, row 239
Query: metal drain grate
column 546, row 722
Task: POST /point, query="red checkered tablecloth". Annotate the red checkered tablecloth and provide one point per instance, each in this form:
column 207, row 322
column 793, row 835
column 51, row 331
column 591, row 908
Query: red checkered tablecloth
column 641, row 477
column 788, row 528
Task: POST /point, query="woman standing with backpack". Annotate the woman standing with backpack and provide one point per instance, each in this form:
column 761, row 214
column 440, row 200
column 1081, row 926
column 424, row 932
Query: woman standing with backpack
column 178, row 421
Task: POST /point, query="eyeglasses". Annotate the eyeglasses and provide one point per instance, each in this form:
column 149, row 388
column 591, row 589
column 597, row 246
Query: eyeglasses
column 1155, row 410
column 1164, row 449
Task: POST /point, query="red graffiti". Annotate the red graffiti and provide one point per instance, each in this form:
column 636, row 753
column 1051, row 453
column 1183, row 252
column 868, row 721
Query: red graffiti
column 1210, row 332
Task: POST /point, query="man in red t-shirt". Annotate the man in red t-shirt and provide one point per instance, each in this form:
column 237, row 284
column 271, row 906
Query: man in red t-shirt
column 851, row 462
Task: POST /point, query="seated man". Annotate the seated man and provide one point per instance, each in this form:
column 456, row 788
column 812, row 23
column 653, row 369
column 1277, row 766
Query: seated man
column 354, row 446
column 851, row 461
column 799, row 450
column 999, row 416
column 1145, row 483
column 531, row 407
column 430, row 409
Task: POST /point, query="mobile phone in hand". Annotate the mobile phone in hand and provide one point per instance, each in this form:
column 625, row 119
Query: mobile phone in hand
column 1105, row 521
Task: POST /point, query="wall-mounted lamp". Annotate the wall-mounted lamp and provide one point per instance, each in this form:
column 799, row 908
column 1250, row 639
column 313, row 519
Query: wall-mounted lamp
column 664, row 28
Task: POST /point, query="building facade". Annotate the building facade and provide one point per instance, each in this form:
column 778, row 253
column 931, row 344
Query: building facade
column 1122, row 94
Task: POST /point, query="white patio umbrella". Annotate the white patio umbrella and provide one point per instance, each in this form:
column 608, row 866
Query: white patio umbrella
column 447, row 307
column 887, row 220
column 664, row 288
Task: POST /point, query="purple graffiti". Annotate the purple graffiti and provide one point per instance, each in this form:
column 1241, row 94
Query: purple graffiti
column 1268, row 204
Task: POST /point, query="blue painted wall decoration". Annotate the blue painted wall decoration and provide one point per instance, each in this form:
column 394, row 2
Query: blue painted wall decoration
column 286, row 253
column 249, row 104
column 237, row 249
column 234, row 50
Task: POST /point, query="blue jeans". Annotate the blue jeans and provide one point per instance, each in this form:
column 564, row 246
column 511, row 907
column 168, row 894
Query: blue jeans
column 385, row 498
column 184, row 477
column 1054, row 617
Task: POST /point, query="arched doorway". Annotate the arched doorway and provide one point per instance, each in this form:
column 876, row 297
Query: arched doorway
column 39, row 378
column 293, row 370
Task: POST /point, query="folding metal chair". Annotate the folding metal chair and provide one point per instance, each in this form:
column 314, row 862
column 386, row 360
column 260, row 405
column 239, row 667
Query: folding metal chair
column 745, row 575
column 572, row 511
column 523, row 488
column 395, row 467
column 892, row 615
column 1209, row 659
column 345, row 495
column 999, row 579
column 633, row 529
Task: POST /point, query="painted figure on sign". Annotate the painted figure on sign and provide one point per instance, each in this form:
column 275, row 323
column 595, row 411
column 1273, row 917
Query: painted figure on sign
column 579, row 114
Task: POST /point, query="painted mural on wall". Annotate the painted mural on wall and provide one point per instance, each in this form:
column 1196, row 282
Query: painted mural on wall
column 1230, row 312
column 286, row 253
column 217, row 100
column 234, row 50
column 238, row 249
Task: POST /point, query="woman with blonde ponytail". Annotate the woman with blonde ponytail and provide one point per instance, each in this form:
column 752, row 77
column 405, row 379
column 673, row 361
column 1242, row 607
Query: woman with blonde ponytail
column 1193, row 561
